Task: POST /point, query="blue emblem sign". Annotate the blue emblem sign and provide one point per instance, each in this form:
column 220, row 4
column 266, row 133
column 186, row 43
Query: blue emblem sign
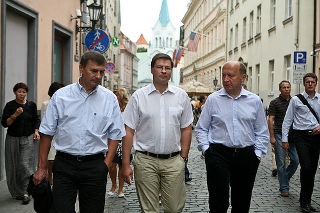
column 97, row 40
column 110, row 67
column 300, row 57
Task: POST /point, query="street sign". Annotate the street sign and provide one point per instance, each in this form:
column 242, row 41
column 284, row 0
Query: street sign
column 299, row 70
column 110, row 68
column 97, row 40
column 300, row 57
column 115, row 41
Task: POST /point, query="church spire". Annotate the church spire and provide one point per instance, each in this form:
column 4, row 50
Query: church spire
column 164, row 13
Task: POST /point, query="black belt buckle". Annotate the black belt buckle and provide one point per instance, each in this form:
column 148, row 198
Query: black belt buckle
column 309, row 132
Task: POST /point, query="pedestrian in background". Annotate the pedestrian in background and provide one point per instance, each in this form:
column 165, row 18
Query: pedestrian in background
column 52, row 153
column 123, row 99
column 85, row 120
column 277, row 111
column 306, row 130
column 232, row 133
column 160, row 117
column 20, row 116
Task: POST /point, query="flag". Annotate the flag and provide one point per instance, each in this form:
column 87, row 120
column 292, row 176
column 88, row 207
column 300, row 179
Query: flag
column 193, row 41
column 179, row 54
column 174, row 57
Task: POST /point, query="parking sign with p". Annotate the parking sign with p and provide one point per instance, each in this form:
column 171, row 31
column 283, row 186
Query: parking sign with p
column 300, row 57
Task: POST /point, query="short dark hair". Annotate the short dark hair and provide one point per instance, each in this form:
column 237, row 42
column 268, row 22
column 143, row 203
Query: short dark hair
column 94, row 56
column 20, row 85
column 54, row 87
column 284, row 81
column 161, row 56
column 311, row 75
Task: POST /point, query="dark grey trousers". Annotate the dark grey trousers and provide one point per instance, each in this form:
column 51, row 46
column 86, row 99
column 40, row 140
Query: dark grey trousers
column 20, row 162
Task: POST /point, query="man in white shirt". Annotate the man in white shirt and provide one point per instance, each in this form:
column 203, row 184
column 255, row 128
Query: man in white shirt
column 160, row 116
column 232, row 133
column 306, row 130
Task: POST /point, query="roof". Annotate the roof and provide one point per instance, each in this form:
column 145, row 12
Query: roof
column 164, row 13
column 141, row 40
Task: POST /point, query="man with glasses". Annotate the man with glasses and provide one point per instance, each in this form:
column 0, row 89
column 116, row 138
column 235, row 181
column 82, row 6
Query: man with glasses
column 306, row 130
column 160, row 117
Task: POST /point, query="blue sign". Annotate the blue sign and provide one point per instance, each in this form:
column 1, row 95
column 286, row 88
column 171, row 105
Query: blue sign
column 300, row 57
column 97, row 40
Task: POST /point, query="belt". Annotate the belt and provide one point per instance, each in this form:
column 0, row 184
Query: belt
column 230, row 149
column 80, row 158
column 305, row 132
column 161, row 156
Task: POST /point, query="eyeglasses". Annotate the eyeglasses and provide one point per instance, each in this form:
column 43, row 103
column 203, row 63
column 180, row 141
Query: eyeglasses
column 160, row 68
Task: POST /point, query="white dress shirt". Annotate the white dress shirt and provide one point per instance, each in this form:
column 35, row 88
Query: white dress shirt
column 300, row 115
column 234, row 122
column 82, row 123
column 158, row 118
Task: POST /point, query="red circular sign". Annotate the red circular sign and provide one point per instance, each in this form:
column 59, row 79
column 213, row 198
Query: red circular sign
column 110, row 68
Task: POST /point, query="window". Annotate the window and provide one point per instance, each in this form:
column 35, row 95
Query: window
column 287, row 60
column 251, row 25
column 244, row 30
column 258, row 78
column 259, row 19
column 288, row 9
column 273, row 13
column 271, row 76
column 236, row 36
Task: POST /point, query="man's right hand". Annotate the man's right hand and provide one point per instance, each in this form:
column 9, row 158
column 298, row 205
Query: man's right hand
column 127, row 173
column 273, row 140
column 39, row 175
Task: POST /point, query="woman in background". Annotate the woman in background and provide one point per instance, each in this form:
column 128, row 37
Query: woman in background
column 123, row 99
column 52, row 153
column 20, row 116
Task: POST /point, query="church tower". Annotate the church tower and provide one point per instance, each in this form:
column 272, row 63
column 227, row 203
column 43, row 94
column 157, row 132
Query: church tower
column 163, row 41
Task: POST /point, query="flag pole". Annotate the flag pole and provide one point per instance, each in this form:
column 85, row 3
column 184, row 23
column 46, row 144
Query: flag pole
column 205, row 35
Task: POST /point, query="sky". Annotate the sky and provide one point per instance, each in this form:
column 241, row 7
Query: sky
column 140, row 16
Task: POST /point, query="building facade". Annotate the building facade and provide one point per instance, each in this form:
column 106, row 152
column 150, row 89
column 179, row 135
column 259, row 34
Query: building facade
column 208, row 18
column 264, row 35
column 43, row 42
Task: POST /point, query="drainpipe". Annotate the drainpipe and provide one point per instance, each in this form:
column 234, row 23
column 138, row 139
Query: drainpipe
column 296, row 43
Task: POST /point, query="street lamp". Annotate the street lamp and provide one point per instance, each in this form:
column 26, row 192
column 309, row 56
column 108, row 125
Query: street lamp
column 215, row 82
column 94, row 13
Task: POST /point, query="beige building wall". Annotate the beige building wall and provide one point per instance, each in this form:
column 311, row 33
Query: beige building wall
column 58, row 11
column 209, row 18
column 266, row 40
column 317, row 40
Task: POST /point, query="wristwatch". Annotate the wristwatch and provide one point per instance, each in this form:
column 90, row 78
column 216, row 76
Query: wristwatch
column 185, row 160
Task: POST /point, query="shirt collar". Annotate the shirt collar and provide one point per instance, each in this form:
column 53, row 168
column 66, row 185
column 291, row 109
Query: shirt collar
column 81, row 88
column 283, row 99
column 317, row 95
column 243, row 92
column 151, row 88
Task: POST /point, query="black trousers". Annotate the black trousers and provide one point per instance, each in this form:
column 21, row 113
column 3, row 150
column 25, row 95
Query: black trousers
column 86, row 177
column 235, row 168
column 308, row 151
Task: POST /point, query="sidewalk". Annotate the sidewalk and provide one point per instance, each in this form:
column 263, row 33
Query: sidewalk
column 265, row 197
